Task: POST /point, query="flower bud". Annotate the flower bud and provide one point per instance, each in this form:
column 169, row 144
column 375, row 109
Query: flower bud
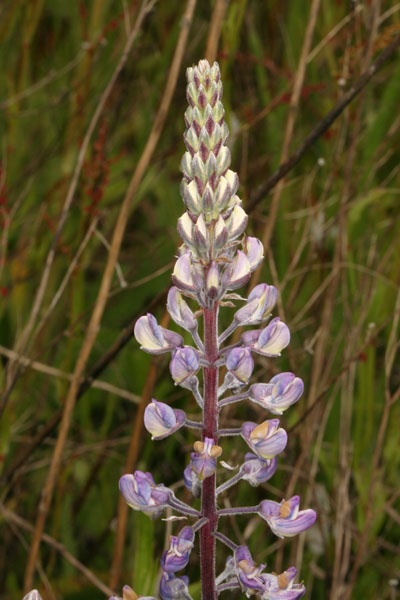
column 191, row 196
column 212, row 281
column 220, row 234
column 33, row 595
column 260, row 302
column 255, row 470
column 237, row 273
column 177, row 556
column 185, row 229
column 203, row 459
column 281, row 392
column 266, row 440
column 284, row 518
column 240, row 363
column 161, row 420
column 183, row 275
column 173, row 587
column 153, row 338
column 200, row 234
column 222, row 194
column 236, row 222
column 254, row 251
column 180, row 311
column 269, row 341
column 249, row 574
column 141, row 493
column 184, row 365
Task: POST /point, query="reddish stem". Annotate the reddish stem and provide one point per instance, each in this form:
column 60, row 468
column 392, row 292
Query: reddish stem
column 210, row 427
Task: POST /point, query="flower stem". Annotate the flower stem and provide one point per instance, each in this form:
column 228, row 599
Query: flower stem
column 233, row 399
column 225, row 540
column 238, row 510
column 210, row 428
column 232, row 481
column 232, row 431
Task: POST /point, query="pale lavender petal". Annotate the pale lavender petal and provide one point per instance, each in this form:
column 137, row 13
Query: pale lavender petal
column 184, row 364
column 161, row 420
column 240, row 363
column 291, row 527
column 180, row 311
column 254, row 251
column 273, row 339
column 237, row 273
column 183, row 273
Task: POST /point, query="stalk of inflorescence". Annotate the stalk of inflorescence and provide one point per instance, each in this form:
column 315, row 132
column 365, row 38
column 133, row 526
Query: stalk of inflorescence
column 216, row 259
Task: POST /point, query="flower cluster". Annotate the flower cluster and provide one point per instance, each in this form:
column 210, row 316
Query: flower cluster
column 215, row 259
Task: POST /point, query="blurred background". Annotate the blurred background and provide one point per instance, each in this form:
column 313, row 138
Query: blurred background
column 92, row 97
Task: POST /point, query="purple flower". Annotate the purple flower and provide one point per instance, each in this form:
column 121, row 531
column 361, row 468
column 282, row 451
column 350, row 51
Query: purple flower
column 237, row 273
column 248, row 572
column 281, row 392
column 204, row 458
column 177, row 556
column 240, row 363
column 180, row 311
column 270, row 340
column 161, row 420
column 154, row 338
column 255, row 470
column 282, row 587
column 141, row 493
column 184, row 365
column 267, row 440
column 260, row 302
column 284, row 518
column 172, row 587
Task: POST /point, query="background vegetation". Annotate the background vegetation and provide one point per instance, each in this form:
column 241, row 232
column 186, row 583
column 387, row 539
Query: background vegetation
column 331, row 229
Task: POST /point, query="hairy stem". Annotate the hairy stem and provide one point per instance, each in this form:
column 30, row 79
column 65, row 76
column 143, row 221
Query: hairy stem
column 210, row 427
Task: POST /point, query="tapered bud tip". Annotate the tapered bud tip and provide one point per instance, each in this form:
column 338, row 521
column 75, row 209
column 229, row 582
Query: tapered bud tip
column 212, row 281
column 32, row 595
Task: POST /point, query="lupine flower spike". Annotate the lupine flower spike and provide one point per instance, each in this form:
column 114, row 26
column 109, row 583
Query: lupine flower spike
column 215, row 259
